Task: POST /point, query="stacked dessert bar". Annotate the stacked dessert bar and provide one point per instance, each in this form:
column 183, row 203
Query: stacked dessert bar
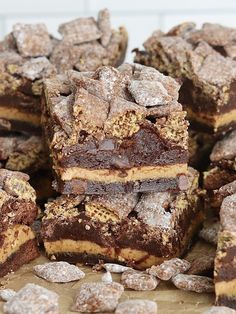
column 119, row 146
column 202, row 60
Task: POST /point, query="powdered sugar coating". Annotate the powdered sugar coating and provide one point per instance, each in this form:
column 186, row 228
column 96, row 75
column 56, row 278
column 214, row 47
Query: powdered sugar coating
column 32, row 299
column 107, row 278
column 32, row 40
column 95, row 297
column 59, row 272
column 225, row 148
column 169, row 268
column 7, row 294
column 138, row 280
column 115, row 268
column 219, row 310
column 227, row 213
column 194, row 283
column 137, row 306
column 104, row 24
column 210, row 231
column 37, row 68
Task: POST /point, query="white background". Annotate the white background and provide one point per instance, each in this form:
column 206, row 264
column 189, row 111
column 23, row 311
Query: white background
column 141, row 17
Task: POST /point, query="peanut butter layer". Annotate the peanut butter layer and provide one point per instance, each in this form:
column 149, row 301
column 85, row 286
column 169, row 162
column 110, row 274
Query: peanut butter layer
column 133, row 174
column 15, row 114
column 14, row 237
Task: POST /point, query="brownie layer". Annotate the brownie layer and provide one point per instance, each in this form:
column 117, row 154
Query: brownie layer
column 76, row 186
column 26, row 253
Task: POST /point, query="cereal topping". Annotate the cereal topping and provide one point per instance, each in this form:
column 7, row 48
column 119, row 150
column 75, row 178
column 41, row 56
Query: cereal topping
column 115, row 268
column 32, row 40
column 194, row 283
column 138, row 280
column 59, row 272
column 98, row 297
column 32, row 299
column 227, row 213
column 219, row 310
column 169, row 268
column 137, row 306
column 7, row 294
column 104, row 24
column 225, row 148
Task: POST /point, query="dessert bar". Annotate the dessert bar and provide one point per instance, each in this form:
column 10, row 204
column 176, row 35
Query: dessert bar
column 225, row 268
column 30, row 54
column 18, row 211
column 135, row 229
column 222, row 170
column 115, row 130
column 208, row 78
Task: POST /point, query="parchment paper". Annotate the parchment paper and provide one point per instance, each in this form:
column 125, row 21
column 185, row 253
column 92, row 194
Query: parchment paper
column 169, row 299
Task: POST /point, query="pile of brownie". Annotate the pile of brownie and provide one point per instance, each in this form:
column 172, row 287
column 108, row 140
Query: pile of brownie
column 111, row 145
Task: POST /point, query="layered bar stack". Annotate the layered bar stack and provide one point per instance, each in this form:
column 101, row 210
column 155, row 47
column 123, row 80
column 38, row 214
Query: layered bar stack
column 203, row 60
column 225, row 268
column 18, row 212
column 119, row 146
column 28, row 55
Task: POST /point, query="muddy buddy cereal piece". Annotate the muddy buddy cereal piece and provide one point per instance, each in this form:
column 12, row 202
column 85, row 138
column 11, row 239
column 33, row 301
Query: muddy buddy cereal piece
column 138, row 281
column 115, row 268
column 220, row 310
column 137, row 306
column 195, row 283
column 59, row 272
column 32, row 40
column 107, row 278
column 95, row 297
column 104, row 24
column 7, row 294
column 32, row 299
column 209, row 232
column 202, row 265
column 170, row 268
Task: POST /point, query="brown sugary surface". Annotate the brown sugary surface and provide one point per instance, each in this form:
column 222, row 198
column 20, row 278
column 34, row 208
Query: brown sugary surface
column 114, row 102
column 227, row 213
column 225, row 148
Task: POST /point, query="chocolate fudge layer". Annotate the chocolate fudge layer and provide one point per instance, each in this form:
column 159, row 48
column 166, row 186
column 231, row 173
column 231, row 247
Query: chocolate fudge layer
column 18, row 211
column 225, row 268
column 222, row 170
column 134, row 229
column 29, row 54
column 209, row 88
column 22, row 153
column 116, row 130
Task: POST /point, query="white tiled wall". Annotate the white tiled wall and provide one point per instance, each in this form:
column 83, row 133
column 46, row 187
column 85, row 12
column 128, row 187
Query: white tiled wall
column 140, row 17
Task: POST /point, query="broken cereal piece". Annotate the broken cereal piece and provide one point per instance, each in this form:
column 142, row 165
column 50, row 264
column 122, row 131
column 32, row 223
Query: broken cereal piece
column 220, row 310
column 138, row 280
column 7, row 294
column 194, row 283
column 169, row 268
column 59, row 272
column 137, row 306
column 32, row 299
column 115, row 268
column 95, row 297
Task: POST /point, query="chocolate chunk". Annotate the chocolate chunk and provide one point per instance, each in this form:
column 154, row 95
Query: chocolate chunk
column 137, row 306
column 80, row 31
column 104, row 24
column 32, row 299
column 98, row 297
column 169, row 269
column 199, row 284
column 227, row 213
column 32, row 40
column 225, row 148
column 37, row 68
column 59, row 272
column 138, row 280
